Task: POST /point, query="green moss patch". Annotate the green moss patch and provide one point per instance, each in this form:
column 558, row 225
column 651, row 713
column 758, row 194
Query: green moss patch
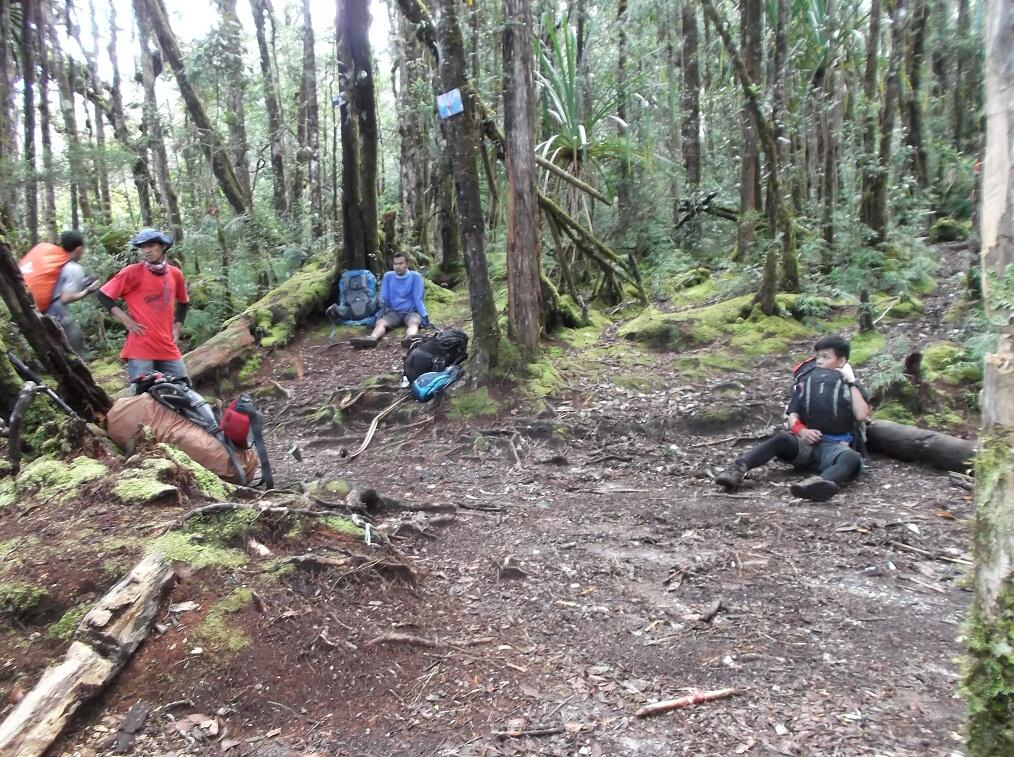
column 543, row 379
column 472, row 404
column 865, row 345
column 951, row 364
column 950, row 230
column 211, row 486
column 215, row 632
column 445, row 305
column 57, row 479
column 144, row 484
column 250, row 368
column 178, row 546
column 342, row 525
column 19, row 599
column 896, row 411
column 64, row 628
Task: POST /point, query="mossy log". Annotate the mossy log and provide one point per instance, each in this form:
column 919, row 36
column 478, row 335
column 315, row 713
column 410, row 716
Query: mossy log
column 270, row 322
column 913, row 444
column 107, row 637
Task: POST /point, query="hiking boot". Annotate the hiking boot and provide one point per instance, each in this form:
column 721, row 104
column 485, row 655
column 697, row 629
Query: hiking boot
column 363, row 342
column 732, row 477
column 815, row 488
column 407, row 341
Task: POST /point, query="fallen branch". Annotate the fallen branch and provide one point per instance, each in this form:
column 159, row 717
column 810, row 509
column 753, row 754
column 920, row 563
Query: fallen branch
column 927, row 553
column 372, row 430
column 530, row 732
column 571, row 179
column 420, row 641
column 103, row 643
column 694, row 697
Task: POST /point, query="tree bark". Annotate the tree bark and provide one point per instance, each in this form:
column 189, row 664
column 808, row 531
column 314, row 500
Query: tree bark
column 888, row 112
column 359, row 135
column 232, row 61
column 913, row 100
column 462, row 143
column 691, row 99
column 623, row 209
column 989, row 675
column 101, row 162
column 211, row 143
column 153, row 123
column 961, row 76
column 523, row 286
column 312, row 126
column 45, row 127
column 867, row 207
column 414, row 133
column 749, row 164
column 276, row 132
column 8, row 121
column 28, row 110
column 920, row 445
column 66, row 76
column 75, row 383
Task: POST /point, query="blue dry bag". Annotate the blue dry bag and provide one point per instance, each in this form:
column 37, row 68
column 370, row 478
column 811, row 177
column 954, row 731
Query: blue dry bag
column 429, row 385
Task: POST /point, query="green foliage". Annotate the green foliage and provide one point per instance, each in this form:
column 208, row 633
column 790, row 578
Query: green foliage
column 472, row 404
column 949, row 230
column 216, row 632
column 19, row 599
column 177, row 546
column 64, row 628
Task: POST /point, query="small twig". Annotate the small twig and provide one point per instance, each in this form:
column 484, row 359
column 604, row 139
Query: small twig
column 883, row 315
column 713, row 442
column 694, row 697
column 282, row 389
column 926, row 553
column 932, row 587
column 530, row 732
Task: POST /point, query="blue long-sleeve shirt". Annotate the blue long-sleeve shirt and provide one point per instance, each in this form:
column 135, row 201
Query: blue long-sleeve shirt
column 403, row 294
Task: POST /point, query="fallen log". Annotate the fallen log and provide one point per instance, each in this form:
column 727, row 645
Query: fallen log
column 913, row 444
column 107, row 637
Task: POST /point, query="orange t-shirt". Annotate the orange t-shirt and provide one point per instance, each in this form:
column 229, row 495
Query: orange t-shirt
column 151, row 301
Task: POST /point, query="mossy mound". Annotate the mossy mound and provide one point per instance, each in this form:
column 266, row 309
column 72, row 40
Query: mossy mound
column 950, row 230
column 210, row 485
column 146, row 483
column 276, row 315
column 473, row 404
column 64, row 628
column 19, row 599
column 177, row 546
column 51, row 479
column 865, row 345
column 445, row 305
column 543, row 379
column 215, row 633
column 905, row 309
column 951, row 364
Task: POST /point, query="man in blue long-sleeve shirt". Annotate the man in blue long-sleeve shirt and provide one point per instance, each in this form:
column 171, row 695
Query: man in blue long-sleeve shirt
column 401, row 303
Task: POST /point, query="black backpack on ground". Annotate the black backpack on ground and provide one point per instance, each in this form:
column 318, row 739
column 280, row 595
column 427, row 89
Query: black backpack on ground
column 825, row 400
column 435, row 353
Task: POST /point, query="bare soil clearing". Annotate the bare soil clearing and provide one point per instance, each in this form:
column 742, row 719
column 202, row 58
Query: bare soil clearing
column 589, row 567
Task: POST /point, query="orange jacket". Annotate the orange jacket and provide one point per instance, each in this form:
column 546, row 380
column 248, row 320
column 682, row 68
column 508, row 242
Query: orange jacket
column 41, row 268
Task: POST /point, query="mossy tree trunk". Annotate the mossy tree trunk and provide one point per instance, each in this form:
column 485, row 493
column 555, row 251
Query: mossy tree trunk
column 989, row 677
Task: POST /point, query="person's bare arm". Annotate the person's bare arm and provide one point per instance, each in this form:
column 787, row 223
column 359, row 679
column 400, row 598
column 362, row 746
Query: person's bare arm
column 860, row 407
column 808, row 435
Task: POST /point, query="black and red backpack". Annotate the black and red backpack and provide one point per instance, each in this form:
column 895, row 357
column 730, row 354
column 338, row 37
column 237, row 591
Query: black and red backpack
column 243, row 425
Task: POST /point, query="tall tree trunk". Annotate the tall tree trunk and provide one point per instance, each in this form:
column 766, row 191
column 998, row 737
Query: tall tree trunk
column 749, row 164
column 232, row 35
column 451, row 264
column 359, row 135
column 779, row 95
column 101, row 162
column 669, row 29
column 989, row 675
column 870, row 89
column 691, row 99
column 8, row 123
column 962, row 68
column 312, row 126
column 462, row 142
column 210, row 142
column 877, row 220
column 139, row 165
column 153, row 123
column 523, row 285
column 913, row 101
column 65, row 74
column 276, row 132
column 45, row 127
column 623, row 182
column 75, row 383
column 414, row 133
column 28, row 82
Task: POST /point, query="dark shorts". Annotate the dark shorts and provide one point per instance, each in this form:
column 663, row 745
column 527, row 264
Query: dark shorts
column 393, row 320
column 821, row 456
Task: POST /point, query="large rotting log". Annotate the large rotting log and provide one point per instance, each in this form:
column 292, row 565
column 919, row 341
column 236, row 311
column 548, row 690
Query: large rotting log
column 913, row 444
column 107, row 637
column 270, row 322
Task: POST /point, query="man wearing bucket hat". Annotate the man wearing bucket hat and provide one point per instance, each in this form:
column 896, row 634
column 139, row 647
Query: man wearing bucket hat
column 155, row 294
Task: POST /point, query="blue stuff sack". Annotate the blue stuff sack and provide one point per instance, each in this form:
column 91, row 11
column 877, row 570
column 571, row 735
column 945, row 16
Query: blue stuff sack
column 429, row 385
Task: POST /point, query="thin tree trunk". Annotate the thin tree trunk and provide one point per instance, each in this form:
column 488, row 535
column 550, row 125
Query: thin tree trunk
column 8, row 122
column 961, row 76
column 28, row 109
column 45, row 127
column 101, row 162
column 414, row 132
column 359, row 135
column 462, row 142
column 780, row 95
column 312, row 126
column 210, row 142
column 153, row 124
column 139, row 165
column 523, row 285
column 232, row 34
column 276, row 132
column 989, row 674
column 870, row 88
column 913, row 101
column 749, row 165
column 65, row 71
column 691, row 99
column 623, row 181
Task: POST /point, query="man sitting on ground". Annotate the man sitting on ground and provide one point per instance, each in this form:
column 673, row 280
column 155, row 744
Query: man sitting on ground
column 401, row 303
column 825, row 405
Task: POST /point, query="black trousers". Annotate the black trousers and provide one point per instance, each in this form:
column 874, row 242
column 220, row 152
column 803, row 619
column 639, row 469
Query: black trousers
column 785, row 446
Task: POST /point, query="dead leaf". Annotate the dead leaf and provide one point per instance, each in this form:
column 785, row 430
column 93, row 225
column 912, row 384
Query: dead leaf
column 228, row 744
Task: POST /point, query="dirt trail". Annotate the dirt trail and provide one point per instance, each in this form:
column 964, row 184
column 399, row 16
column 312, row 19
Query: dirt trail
column 590, row 567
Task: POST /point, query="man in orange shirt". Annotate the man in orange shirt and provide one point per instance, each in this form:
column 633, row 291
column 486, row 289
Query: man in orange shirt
column 155, row 293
